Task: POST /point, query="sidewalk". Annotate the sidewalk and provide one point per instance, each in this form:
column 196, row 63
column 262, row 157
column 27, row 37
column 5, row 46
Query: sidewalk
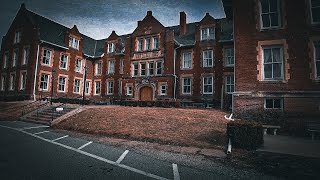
column 291, row 145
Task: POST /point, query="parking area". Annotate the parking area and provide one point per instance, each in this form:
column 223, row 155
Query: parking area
column 124, row 159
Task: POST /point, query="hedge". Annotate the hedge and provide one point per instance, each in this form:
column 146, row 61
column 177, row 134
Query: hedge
column 166, row 104
column 245, row 134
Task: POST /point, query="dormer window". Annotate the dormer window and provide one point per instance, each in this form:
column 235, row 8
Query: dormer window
column 17, row 37
column 207, row 33
column 315, row 11
column 74, row 42
column 111, row 48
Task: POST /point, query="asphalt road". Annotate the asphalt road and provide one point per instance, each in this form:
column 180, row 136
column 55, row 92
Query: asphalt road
column 31, row 151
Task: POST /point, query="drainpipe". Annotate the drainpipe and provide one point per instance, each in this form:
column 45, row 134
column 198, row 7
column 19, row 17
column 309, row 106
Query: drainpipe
column 35, row 73
column 174, row 73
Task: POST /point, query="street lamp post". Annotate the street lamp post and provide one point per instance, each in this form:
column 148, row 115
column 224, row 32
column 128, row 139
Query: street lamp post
column 84, row 84
column 52, row 84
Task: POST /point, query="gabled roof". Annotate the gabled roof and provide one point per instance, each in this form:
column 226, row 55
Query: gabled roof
column 186, row 39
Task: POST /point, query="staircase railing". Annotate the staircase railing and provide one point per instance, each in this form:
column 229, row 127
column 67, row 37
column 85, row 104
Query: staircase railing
column 26, row 111
column 54, row 109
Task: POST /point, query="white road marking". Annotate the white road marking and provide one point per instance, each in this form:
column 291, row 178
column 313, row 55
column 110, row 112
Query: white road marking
column 92, row 155
column 34, row 127
column 81, row 147
column 176, row 175
column 41, row 132
column 60, row 138
column 122, row 156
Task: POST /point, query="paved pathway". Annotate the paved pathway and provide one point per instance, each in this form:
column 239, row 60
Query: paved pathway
column 291, row 145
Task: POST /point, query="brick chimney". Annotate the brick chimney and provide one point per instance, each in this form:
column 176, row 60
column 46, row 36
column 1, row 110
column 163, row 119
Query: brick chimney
column 183, row 23
column 149, row 13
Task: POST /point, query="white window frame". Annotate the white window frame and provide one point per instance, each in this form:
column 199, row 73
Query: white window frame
column 62, row 87
column 46, row 53
column 3, row 82
column 135, row 69
column 74, row 42
column 64, row 59
column 111, row 64
column 143, row 69
column 5, row 60
column 206, row 59
column 98, row 68
column 185, row 61
column 317, row 68
column 87, row 90
column 121, row 66
column 140, row 44
column 163, row 87
column 79, row 66
column 228, row 83
column 111, row 48
column 110, row 87
column 281, row 60
column 207, row 33
column 77, row 87
column 148, row 44
column 203, row 85
column 268, row 13
column 156, row 43
column 96, row 83
column 17, row 37
column 183, row 85
column 12, row 81
column 15, row 57
column 229, row 56
column 273, row 102
column 26, row 53
column 311, row 14
column 159, row 68
column 23, row 80
column 150, row 68
column 42, row 83
column 129, row 92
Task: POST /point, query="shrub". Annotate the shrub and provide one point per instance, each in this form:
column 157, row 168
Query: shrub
column 245, row 134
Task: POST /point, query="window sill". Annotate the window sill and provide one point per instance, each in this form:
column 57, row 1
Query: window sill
column 273, row 82
column 48, row 65
column 271, row 29
column 229, row 66
column 208, row 67
column 186, row 68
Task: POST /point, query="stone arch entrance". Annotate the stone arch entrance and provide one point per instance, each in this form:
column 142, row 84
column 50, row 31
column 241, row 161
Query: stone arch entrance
column 146, row 93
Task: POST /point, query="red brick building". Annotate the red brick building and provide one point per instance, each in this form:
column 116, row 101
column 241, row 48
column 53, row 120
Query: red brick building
column 277, row 51
column 188, row 62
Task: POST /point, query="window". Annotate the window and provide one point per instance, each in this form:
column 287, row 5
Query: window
column 129, row 90
column 315, row 11
column 79, row 65
column 155, row 43
column 98, row 68
column 15, row 57
column 208, row 58
column 97, row 87
column 159, row 68
column 207, row 33
column 317, row 58
column 273, row 103
column 148, row 44
column 23, row 80
column 208, row 85
column 111, row 48
column 142, row 69
column 140, row 44
column 229, row 56
column 87, row 89
column 270, row 14
column 17, row 37
column 135, row 69
column 163, row 90
column 272, row 63
column 109, row 87
column 186, row 85
column 64, row 61
column 3, row 82
column 76, row 88
column 121, row 66
column 12, row 82
column 111, row 67
column 25, row 55
column 44, row 81
column 74, row 42
column 5, row 60
column 187, row 61
column 151, row 68
column 62, row 84
column 229, row 84
column 46, row 57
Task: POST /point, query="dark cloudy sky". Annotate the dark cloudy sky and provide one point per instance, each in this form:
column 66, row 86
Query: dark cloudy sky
column 97, row 18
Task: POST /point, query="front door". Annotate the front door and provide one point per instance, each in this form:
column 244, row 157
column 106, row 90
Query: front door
column 146, row 94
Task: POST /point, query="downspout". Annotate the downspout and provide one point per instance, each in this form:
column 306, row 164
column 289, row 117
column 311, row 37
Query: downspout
column 234, row 67
column 174, row 73
column 35, row 74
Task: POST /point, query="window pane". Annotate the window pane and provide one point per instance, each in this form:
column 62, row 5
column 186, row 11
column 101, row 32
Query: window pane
column 315, row 3
column 265, row 6
column 268, row 71
column 317, row 49
column 316, row 14
column 274, row 19
column 318, row 68
column 269, row 103
column 276, row 70
column 276, row 54
column 265, row 20
column 267, row 55
column 273, row 5
column 277, row 103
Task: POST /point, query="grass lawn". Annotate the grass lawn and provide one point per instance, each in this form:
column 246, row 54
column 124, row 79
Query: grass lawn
column 185, row 127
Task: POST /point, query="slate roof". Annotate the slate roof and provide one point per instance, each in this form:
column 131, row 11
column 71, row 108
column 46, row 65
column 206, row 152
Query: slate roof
column 227, row 30
column 186, row 39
